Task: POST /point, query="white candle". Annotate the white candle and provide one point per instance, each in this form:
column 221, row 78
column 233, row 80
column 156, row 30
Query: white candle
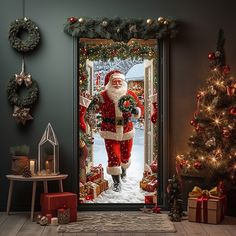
column 32, row 166
column 54, row 221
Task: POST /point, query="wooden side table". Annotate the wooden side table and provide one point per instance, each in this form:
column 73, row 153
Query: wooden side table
column 33, row 179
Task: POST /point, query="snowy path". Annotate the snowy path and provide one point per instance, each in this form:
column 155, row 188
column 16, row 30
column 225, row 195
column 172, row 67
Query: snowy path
column 130, row 193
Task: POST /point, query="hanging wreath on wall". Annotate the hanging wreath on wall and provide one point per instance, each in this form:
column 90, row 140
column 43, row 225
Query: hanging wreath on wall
column 126, row 103
column 22, row 103
column 17, row 28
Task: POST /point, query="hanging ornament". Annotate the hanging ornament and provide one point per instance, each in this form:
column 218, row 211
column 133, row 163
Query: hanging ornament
column 22, row 114
column 217, row 53
column 104, row 23
column 211, row 56
column 226, row 69
column 166, row 22
column 193, row 122
column 154, row 115
column 232, row 111
column 72, row 20
column 221, row 188
column 133, row 29
column 230, row 90
column 161, row 20
column 197, row 165
column 212, row 90
column 226, row 133
column 149, row 21
column 211, row 142
column 81, row 20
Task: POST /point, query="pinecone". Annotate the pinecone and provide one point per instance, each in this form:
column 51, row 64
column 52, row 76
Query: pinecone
column 26, row 172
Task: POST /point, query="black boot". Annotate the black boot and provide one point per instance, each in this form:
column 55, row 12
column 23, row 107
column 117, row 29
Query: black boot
column 116, row 184
column 123, row 174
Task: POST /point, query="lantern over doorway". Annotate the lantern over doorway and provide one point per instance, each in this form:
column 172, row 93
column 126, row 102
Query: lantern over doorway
column 48, row 153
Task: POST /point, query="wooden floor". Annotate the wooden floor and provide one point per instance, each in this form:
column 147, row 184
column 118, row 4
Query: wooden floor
column 20, row 225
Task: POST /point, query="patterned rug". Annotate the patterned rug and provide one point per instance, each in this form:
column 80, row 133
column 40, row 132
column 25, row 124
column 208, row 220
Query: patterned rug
column 119, row 222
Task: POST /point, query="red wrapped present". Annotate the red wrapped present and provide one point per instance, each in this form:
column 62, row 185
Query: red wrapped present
column 206, row 206
column 152, row 186
column 51, row 202
column 98, row 170
column 92, row 188
column 93, row 177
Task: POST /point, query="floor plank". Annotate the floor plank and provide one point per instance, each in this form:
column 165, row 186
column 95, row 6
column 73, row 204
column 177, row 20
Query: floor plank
column 179, row 228
column 85, row 234
column 31, row 228
column 13, row 223
column 50, row 231
column 193, row 228
column 215, row 230
column 3, row 217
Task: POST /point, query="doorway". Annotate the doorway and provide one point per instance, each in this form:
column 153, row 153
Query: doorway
column 97, row 57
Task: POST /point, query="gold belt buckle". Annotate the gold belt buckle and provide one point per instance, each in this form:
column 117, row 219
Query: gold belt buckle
column 119, row 121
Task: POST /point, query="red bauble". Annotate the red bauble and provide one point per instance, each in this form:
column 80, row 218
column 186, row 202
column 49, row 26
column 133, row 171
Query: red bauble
column 211, row 56
column 232, row 111
column 126, row 103
column 226, row 133
column 197, row 165
column 230, row 90
column 226, row 69
column 72, row 19
column 83, row 77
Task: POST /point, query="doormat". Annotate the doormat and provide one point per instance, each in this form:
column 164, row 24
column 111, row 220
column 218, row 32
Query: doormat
column 119, row 222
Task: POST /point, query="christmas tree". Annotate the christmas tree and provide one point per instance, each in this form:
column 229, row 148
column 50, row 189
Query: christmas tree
column 213, row 143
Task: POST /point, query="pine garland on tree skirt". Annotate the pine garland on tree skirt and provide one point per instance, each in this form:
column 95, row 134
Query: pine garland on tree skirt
column 119, row 29
column 213, row 144
column 175, row 199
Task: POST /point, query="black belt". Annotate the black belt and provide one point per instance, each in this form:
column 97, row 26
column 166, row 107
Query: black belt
column 119, row 121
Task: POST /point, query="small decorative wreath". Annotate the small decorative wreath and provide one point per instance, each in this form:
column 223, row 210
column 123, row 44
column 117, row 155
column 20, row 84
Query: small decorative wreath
column 16, row 29
column 22, row 101
column 126, row 103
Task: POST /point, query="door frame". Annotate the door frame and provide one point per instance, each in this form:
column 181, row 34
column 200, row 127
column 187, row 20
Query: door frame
column 163, row 67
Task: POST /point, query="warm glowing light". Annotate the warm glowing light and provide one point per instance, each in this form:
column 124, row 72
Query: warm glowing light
column 209, row 108
column 215, row 69
column 235, row 166
column 213, row 159
column 188, row 166
column 217, row 121
column 202, row 158
column 218, row 83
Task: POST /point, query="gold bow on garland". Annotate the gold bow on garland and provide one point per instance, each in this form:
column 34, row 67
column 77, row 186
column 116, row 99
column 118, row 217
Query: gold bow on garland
column 22, row 77
column 197, row 192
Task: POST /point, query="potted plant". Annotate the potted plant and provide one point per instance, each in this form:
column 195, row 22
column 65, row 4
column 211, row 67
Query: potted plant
column 20, row 159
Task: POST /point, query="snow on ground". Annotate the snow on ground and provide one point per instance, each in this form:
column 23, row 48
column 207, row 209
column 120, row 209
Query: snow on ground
column 131, row 192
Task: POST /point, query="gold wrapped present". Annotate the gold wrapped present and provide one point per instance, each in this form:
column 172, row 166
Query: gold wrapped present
column 93, row 189
column 103, row 184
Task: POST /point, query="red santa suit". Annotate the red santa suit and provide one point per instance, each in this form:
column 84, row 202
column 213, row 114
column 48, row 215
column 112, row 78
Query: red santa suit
column 117, row 128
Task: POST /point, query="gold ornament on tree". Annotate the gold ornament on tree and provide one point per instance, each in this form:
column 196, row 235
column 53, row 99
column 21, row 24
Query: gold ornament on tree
column 149, row 21
column 81, row 20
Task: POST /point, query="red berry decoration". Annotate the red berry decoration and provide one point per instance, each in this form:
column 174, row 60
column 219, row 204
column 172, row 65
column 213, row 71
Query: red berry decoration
column 72, row 20
column 232, row 111
column 193, row 122
column 197, row 165
column 226, row 69
column 211, row 56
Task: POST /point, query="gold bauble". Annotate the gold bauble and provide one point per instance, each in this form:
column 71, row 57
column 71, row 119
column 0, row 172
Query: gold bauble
column 81, row 81
column 80, row 65
column 149, row 21
column 150, row 53
column 166, row 22
column 81, row 19
column 161, row 19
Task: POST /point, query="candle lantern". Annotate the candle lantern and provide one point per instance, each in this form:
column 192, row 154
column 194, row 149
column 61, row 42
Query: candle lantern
column 48, row 153
column 33, row 166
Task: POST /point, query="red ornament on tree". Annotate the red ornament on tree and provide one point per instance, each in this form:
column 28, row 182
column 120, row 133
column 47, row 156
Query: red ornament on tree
column 226, row 133
column 226, row 69
column 232, row 111
column 197, row 165
column 193, row 122
column 211, row 56
column 72, row 19
column 230, row 90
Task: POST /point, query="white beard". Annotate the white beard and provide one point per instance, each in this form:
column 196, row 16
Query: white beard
column 115, row 94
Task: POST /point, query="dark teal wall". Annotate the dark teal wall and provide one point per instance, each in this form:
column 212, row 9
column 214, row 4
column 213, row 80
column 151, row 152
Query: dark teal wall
column 52, row 66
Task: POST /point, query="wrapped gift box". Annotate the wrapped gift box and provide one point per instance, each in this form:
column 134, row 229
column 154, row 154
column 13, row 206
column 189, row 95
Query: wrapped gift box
column 81, row 187
column 51, row 202
column 92, row 188
column 152, row 186
column 103, row 184
column 98, row 170
column 211, row 211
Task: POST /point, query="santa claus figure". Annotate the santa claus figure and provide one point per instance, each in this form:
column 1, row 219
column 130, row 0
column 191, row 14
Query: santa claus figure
column 116, row 128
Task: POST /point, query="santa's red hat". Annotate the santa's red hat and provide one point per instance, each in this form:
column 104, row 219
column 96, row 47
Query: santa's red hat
column 113, row 74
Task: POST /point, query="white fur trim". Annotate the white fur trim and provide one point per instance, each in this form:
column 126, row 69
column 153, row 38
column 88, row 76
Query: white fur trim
column 117, row 136
column 117, row 76
column 126, row 165
column 114, row 170
column 139, row 113
column 84, row 101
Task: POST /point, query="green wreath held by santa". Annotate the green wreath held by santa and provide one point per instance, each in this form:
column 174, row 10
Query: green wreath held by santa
column 117, row 104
